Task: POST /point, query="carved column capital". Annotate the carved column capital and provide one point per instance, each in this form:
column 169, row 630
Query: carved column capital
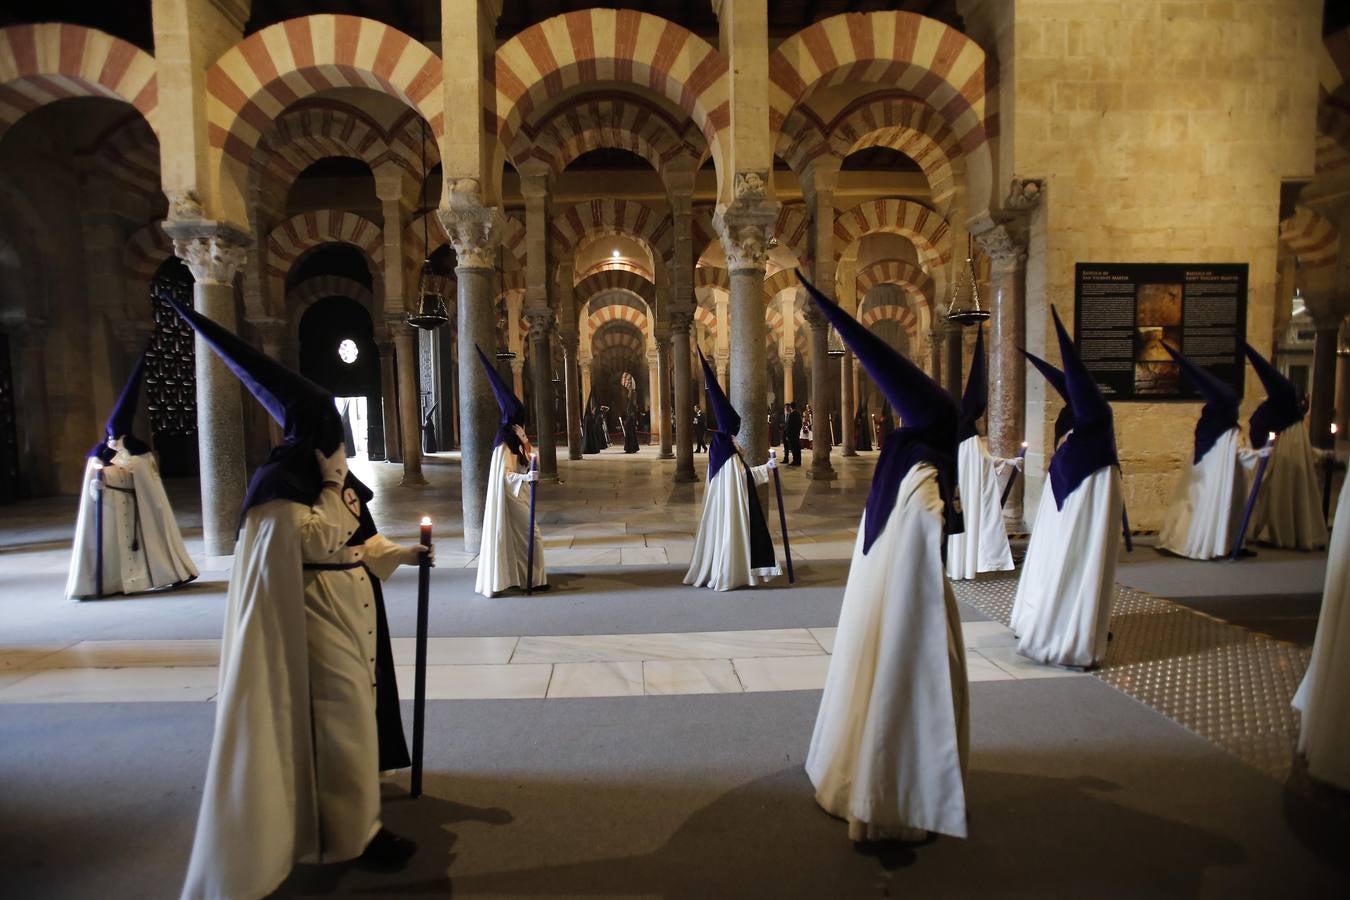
column 746, row 224
column 540, row 322
column 1024, row 194
column 680, row 320
column 215, row 252
column 815, row 319
column 472, row 227
column 1005, row 245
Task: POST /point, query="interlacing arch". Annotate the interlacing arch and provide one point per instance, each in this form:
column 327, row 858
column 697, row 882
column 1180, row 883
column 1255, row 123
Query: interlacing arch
column 779, row 281
column 916, row 283
column 614, row 311
column 320, row 287
column 572, row 225
column 923, row 227
column 615, row 280
column 127, row 154
column 40, row 64
column 712, row 276
column 908, row 126
column 270, row 70
column 289, row 240
column 1312, row 238
column 144, row 252
column 926, row 58
column 792, row 228
column 621, row 335
column 315, row 130
column 612, row 120
column 890, row 311
column 592, row 45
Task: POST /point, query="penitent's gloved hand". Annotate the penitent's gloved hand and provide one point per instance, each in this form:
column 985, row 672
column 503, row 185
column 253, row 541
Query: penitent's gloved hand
column 333, row 468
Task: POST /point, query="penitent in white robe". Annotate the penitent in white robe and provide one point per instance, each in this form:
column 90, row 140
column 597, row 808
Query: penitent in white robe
column 506, row 528
column 1322, row 698
column 294, row 769
column 142, row 547
column 1063, row 604
column 983, row 546
column 1206, row 510
column 889, row 750
column 1289, row 508
column 721, row 558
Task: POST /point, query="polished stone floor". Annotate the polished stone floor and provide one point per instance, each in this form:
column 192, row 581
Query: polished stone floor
column 619, row 629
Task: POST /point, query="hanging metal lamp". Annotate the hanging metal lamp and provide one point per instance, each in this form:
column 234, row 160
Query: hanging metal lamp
column 973, row 314
column 431, row 312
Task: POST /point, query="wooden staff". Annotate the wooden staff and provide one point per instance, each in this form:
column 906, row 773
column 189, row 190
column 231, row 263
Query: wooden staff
column 1251, row 499
column 782, row 518
column 98, row 533
column 1326, row 476
column 1007, row 488
column 420, row 677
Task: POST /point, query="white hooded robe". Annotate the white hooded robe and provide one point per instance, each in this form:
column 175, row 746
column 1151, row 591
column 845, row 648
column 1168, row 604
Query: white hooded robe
column 506, row 528
column 1063, row 603
column 1288, row 510
column 294, row 769
column 890, row 745
column 1323, row 698
column 721, row 557
column 142, row 547
column 1206, row 511
column 983, row 546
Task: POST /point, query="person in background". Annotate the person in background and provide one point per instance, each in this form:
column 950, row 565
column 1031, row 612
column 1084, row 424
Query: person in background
column 792, row 436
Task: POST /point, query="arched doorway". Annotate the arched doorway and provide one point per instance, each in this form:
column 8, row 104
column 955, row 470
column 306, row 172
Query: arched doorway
column 338, row 351
column 171, row 374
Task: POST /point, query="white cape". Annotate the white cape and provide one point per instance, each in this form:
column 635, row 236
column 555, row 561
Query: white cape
column 1063, row 603
column 506, row 528
column 889, row 750
column 1289, row 508
column 1322, row 698
column 294, row 769
column 1206, row 510
column 721, row 558
column 142, row 547
column 983, row 546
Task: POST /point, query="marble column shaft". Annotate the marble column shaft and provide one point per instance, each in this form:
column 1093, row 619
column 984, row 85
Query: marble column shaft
column 214, row 255
column 819, row 340
column 661, row 412
column 393, row 441
column 1322, row 403
column 848, row 412
column 572, row 387
column 1006, row 418
column 479, row 415
column 951, row 367
column 409, row 399
column 684, row 408
column 541, row 378
column 748, row 388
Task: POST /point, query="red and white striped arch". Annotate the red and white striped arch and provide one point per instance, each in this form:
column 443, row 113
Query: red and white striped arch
column 292, row 238
column 913, row 279
column 592, row 45
column 619, row 312
column 612, row 119
column 615, row 280
column 270, row 70
column 144, row 252
column 890, row 312
column 40, row 64
column 902, row 123
column 306, row 134
column 1312, row 238
column 512, row 239
column 1333, row 108
column 712, row 276
column 792, row 228
column 926, row 58
column 127, row 154
column 923, row 227
column 572, row 225
column 312, row 290
column 707, row 318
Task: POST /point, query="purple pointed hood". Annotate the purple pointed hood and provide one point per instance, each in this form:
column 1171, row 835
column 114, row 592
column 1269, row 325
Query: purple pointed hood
column 1092, row 445
column 1281, row 408
column 306, row 412
column 928, row 414
column 975, row 399
column 1064, row 421
column 513, row 411
column 1220, row 412
column 725, row 424
column 123, row 416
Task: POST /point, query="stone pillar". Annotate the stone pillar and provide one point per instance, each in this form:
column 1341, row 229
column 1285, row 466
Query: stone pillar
column 848, row 412
column 585, row 382
column 952, row 360
column 572, row 387
column 541, row 372
column 32, row 403
column 393, row 441
column 1322, row 405
column 653, row 393
column 936, row 337
column 680, row 320
column 214, row 254
column 818, row 186
column 406, row 370
column 273, row 334
column 661, row 414
column 819, row 326
column 518, row 375
column 789, row 361
column 1006, row 247
column 474, row 230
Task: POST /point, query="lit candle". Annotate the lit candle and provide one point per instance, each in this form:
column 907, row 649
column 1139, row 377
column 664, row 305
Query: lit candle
column 426, row 531
column 1334, row 429
column 1022, row 454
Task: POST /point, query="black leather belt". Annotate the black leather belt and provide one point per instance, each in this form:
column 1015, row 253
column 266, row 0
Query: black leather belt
column 332, row 567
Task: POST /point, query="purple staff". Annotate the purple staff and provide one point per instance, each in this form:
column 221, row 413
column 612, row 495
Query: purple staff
column 1125, row 529
column 529, row 549
column 1251, row 499
column 1007, row 488
column 782, row 519
column 1326, row 476
column 420, row 675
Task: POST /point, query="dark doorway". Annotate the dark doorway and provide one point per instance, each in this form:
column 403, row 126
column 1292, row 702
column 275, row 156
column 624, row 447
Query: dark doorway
column 171, row 374
column 338, row 351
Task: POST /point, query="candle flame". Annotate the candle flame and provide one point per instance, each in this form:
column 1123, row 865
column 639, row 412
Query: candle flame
column 426, row 520
column 1272, row 436
column 1334, row 429
column 1024, row 445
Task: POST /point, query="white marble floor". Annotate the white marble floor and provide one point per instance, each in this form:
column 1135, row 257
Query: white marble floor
column 458, row 668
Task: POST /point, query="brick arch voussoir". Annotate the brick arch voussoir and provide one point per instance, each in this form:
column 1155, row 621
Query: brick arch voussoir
column 51, row 61
column 1312, row 238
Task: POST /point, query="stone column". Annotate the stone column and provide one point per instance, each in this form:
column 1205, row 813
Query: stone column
column 393, row 441
column 541, row 372
column 32, row 403
column 952, row 360
column 214, row 254
column 818, row 187
column 474, row 230
column 661, row 413
column 1322, row 405
column 653, row 393
column 585, row 382
column 789, row 360
column 1006, row 247
column 518, row 375
column 936, row 337
column 819, row 326
column 409, row 413
column 273, row 334
column 572, row 386
column 680, row 320
column 849, row 405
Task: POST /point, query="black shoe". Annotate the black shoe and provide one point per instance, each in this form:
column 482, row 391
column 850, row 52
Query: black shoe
column 387, row 852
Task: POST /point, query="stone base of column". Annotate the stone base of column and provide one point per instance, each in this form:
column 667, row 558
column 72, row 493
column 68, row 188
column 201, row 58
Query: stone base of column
column 822, row 473
column 412, row 479
column 848, row 451
column 682, row 477
column 666, row 454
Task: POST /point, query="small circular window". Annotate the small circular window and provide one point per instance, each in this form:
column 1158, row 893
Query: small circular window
column 348, row 352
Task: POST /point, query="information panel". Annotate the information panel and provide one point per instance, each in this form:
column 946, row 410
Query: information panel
column 1125, row 312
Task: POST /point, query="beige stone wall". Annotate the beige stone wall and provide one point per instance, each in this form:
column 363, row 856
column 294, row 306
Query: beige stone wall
column 1163, row 130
